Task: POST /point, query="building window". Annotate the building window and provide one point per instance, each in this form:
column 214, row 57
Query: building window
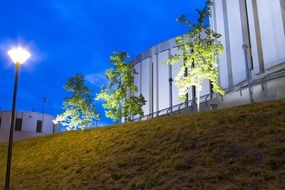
column 0, row 122
column 18, row 126
column 39, row 126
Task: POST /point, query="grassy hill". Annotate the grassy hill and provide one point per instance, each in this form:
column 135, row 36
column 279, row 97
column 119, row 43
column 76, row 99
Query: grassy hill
column 238, row 148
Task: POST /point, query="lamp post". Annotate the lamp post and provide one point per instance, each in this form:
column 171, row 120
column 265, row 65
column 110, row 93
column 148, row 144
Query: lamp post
column 18, row 56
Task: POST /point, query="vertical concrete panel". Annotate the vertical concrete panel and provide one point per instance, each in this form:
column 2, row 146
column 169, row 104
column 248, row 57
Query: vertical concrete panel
column 190, row 93
column 163, row 87
column 155, row 83
column 213, row 23
column 220, row 28
column 175, row 69
column 228, row 43
column 137, row 79
column 145, row 84
column 151, row 90
column 170, row 83
column 258, row 36
column 205, row 88
column 282, row 4
column 272, row 32
column 256, row 46
column 236, row 39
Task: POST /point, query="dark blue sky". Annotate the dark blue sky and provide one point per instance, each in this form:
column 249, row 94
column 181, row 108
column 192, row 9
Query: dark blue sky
column 70, row 36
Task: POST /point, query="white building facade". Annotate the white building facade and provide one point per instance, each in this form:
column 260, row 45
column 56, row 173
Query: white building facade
column 256, row 24
column 260, row 24
column 27, row 124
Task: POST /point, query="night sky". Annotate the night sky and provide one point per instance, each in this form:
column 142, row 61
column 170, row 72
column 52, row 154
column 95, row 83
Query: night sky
column 70, row 36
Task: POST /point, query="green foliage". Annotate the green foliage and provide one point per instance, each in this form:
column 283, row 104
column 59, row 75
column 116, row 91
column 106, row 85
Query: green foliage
column 200, row 49
column 80, row 112
column 118, row 95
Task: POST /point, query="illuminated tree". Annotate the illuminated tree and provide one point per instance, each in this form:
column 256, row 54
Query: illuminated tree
column 118, row 96
column 79, row 111
column 200, row 49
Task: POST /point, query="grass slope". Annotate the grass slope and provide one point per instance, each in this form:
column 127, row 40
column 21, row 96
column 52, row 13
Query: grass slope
column 239, row 148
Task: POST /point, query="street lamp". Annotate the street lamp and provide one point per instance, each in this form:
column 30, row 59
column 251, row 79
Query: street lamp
column 18, row 56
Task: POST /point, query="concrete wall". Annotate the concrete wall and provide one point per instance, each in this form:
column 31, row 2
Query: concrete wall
column 154, row 74
column 262, row 91
column 259, row 24
column 256, row 23
column 29, row 124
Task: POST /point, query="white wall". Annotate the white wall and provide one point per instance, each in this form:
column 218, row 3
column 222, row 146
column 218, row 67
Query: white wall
column 228, row 20
column 253, row 37
column 137, row 79
column 272, row 36
column 175, row 69
column 29, row 121
column 220, row 25
column 155, row 83
column 163, row 87
column 5, row 120
column 236, row 41
column 206, row 88
column 146, row 78
column 272, row 31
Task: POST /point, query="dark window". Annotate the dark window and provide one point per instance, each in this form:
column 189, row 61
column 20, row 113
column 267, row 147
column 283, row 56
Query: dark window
column 18, row 126
column 39, row 126
column 0, row 122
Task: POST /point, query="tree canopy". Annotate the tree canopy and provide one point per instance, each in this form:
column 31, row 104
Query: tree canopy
column 199, row 49
column 79, row 111
column 119, row 95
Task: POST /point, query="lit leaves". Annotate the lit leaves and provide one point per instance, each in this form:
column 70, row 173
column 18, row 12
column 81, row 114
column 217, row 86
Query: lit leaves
column 118, row 95
column 200, row 49
column 79, row 111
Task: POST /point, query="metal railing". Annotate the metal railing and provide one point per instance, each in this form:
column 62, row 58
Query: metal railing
column 177, row 107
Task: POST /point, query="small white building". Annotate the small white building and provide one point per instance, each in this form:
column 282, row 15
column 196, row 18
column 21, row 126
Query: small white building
column 27, row 124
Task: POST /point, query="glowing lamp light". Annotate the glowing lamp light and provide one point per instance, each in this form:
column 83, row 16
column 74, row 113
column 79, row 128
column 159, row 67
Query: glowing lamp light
column 19, row 55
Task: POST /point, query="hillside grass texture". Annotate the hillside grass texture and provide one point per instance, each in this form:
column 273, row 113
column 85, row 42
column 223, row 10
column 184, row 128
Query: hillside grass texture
column 229, row 149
